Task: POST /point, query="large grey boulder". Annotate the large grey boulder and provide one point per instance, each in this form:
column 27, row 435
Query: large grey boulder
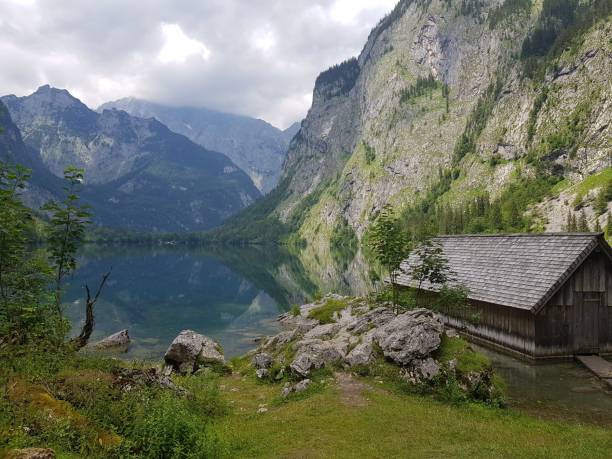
column 410, row 336
column 190, row 350
column 304, row 363
column 422, row 371
column 120, row 341
column 314, row 354
column 362, row 354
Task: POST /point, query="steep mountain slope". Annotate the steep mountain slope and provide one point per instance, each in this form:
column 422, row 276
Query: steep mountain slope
column 139, row 174
column 257, row 147
column 453, row 104
column 43, row 185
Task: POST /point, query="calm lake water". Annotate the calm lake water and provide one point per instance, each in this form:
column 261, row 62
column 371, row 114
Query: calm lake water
column 235, row 294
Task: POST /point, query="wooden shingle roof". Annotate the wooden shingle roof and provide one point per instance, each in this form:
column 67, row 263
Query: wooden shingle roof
column 520, row 271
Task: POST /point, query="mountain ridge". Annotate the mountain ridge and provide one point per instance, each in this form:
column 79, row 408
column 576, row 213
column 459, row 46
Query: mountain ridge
column 139, row 174
column 256, row 146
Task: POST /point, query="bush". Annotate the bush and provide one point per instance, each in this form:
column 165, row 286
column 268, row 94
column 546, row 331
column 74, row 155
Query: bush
column 325, row 313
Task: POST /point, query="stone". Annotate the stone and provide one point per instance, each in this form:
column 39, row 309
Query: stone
column 118, row 340
column 281, row 339
column 304, row 363
column 296, row 388
column 302, row 386
column 422, row 371
column 322, row 331
column 262, row 410
column 30, row 453
column 262, row 373
column 327, row 351
column 410, row 336
column 286, row 391
column 300, row 323
column 262, row 360
column 362, row 354
column 190, row 350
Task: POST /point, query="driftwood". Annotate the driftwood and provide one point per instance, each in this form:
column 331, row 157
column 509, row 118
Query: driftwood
column 88, row 327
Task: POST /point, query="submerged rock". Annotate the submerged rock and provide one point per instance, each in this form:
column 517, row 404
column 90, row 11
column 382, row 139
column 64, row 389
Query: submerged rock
column 190, row 350
column 410, row 336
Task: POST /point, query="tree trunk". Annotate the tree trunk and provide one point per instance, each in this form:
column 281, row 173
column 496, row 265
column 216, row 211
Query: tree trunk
column 83, row 338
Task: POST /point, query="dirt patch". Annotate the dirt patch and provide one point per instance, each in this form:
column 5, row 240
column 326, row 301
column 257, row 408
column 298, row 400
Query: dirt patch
column 351, row 390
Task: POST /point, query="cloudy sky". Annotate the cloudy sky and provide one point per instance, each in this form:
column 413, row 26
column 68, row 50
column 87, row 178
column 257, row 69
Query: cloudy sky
column 254, row 57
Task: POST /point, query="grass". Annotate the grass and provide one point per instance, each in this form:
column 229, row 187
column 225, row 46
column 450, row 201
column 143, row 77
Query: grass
column 325, row 313
column 598, row 180
column 459, row 349
column 390, row 425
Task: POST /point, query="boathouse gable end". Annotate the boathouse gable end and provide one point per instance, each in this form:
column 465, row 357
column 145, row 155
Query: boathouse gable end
column 540, row 295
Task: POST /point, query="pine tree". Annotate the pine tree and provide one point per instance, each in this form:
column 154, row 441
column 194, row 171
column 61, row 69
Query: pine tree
column 583, row 224
column 597, row 226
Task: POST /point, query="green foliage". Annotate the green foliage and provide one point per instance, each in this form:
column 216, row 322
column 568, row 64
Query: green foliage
column 343, row 244
column 422, row 87
column 603, row 198
column 339, row 79
column 508, row 10
column 561, row 26
column 325, row 313
column 472, row 8
column 477, row 120
column 67, row 223
column 389, row 243
column 429, row 265
column 369, row 152
column 567, row 134
column 25, row 313
column 535, row 111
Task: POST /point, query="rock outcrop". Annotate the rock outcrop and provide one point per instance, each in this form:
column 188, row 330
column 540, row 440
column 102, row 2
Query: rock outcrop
column 362, row 336
column 189, row 351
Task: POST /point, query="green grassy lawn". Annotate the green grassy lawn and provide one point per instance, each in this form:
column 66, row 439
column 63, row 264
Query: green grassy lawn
column 328, row 425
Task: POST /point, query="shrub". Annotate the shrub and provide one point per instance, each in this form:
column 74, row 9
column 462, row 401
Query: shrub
column 325, row 313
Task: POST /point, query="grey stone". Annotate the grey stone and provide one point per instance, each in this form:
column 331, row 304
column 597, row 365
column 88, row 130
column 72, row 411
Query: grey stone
column 262, row 360
column 189, row 350
column 118, row 340
column 322, row 331
column 262, row 373
column 304, row 363
column 362, row 354
column 302, row 385
column 410, row 336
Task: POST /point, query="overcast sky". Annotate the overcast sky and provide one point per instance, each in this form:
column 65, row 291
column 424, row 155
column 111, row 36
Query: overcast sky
column 254, row 57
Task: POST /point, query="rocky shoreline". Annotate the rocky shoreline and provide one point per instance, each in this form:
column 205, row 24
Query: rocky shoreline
column 354, row 335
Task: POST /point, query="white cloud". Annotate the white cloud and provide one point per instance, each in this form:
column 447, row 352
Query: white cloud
column 178, row 47
column 257, row 58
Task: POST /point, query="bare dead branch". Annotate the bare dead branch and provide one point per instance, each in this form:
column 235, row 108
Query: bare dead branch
column 88, row 327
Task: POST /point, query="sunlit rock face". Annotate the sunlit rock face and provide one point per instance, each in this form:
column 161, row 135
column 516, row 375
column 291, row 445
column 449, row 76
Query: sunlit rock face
column 366, row 142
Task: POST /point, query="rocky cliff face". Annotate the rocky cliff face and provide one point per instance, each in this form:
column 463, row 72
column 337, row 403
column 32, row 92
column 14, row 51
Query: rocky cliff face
column 257, row 147
column 444, row 85
column 139, row 174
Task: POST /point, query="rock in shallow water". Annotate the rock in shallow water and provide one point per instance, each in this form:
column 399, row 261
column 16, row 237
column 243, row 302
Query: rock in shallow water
column 119, row 340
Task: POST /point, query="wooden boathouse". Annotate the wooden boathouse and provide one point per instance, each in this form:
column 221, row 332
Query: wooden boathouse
column 540, row 296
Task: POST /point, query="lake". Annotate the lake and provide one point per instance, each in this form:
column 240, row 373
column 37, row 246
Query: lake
column 235, row 294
